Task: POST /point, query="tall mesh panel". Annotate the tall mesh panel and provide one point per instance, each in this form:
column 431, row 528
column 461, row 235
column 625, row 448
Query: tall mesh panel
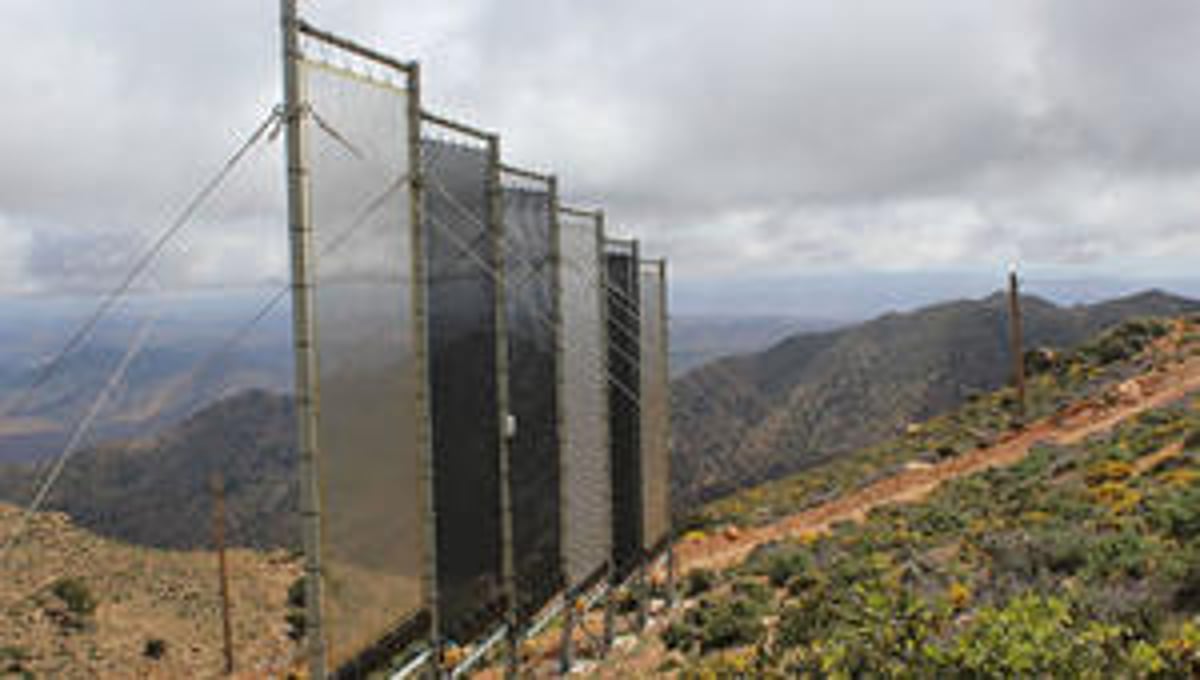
column 623, row 404
column 462, row 322
column 587, row 489
column 373, row 546
column 656, row 424
column 532, row 305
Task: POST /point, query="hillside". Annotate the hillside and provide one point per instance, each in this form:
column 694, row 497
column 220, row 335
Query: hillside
column 155, row 492
column 1068, row 548
column 743, row 420
column 75, row 605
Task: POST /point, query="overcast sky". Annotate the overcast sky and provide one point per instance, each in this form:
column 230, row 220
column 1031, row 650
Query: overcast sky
column 745, row 141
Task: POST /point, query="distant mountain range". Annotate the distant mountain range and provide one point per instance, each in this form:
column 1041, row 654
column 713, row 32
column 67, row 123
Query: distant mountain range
column 156, row 491
column 746, row 419
column 186, row 364
column 737, row 421
column 698, row 339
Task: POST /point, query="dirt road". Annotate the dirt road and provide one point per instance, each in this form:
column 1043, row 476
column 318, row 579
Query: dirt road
column 1069, row 426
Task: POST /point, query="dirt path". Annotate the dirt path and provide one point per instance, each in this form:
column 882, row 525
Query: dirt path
column 1070, row 426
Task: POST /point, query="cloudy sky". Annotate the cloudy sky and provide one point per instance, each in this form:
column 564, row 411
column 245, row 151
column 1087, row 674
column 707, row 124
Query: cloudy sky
column 750, row 142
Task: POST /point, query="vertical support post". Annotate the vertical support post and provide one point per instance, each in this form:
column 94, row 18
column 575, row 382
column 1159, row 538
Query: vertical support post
column 642, row 593
column 217, row 485
column 566, row 649
column 671, row 595
column 303, row 335
column 610, row 611
column 567, row 643
column 1015, row 342
column 665, row 349
column 609, row 633
column 416, row 213
column 507, row 420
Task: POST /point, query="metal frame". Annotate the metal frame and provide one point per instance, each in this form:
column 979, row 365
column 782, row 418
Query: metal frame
column 303, row 334
column 618, row 580
column 576, row 592
column 419, row 299
column 664, row 543
column 303, row 27
column 658, row 269
column 606, row 585
column 631, row 248
column 514, row 633
column 495, row 227
column 665, row 307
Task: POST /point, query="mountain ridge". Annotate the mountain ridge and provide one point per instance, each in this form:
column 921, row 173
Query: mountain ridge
column 751, row 418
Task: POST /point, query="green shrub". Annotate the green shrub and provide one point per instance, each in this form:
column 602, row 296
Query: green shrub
column 932, row 519
column 1178, row 514
column 155, row 648
column 782, row 566
column 731, row 623
column 801, row 624
column 297, row 624
column 1187, row 592
column 699, row 581
column 1041, row 360
column 13, row 661
column 754, row 591
column 75, row 594
column 713, row 625
column 1032, row 636
column 1121, row 554
column 296, row 594
column 1027, row 555
column 1136, row 607
column 678, row 635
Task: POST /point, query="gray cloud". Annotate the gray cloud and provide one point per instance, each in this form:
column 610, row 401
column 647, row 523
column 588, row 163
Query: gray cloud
column 771, row 137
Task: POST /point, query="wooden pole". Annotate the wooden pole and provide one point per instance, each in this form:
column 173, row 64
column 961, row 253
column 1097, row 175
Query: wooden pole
column 1015, row 340
column 566, row 658
column 218, row 493
column 610, row 615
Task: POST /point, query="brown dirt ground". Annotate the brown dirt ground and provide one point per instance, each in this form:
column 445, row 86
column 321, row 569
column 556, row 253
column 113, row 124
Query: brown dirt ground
column 142, row 594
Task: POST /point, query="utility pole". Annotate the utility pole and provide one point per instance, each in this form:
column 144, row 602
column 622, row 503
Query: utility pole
column 1015, row 342
column 303, row 334
column 217, row 484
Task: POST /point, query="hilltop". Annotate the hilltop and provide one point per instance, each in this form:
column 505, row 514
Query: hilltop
column 743, row 420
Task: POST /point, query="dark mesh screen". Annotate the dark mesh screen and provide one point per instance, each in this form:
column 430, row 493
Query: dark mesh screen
column 624, row 417
column 463, row 401
column 533, row 384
